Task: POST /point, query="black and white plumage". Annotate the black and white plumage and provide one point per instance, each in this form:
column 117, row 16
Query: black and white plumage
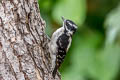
column 60, row 43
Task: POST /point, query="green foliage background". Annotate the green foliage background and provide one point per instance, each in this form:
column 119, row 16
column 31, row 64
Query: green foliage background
column 95, row 50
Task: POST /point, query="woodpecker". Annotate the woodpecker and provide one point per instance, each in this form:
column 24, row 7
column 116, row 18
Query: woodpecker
column 60, row 43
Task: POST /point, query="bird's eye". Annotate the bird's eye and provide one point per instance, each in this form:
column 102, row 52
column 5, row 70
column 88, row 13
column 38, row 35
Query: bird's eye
column 70, row 25
column 67, row 23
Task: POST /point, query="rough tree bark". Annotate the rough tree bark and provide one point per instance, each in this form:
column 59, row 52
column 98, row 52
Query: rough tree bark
column 23, row 44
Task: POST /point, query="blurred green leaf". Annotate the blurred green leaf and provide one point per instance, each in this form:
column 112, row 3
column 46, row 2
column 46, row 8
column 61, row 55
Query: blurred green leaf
column 70, row 9
column 108, row 62
column 113, row 25
column 45, row 5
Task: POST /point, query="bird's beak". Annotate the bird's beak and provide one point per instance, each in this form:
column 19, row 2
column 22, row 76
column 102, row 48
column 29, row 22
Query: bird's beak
column 63, row 18
column 64, row 21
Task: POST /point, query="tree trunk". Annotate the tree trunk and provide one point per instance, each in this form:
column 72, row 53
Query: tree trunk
column 23, row 44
